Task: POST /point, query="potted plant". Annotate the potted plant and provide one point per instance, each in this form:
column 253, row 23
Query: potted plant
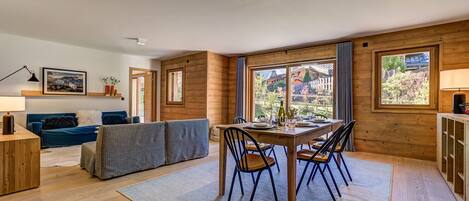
column 107, row 87
column 113, row 89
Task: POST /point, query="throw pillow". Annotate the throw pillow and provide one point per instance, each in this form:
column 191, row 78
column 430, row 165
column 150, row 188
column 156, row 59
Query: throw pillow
column 56, row 122
column 89, row 117
column 111, row 119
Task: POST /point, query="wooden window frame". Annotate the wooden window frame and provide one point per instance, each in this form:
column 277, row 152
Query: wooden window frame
column 430, row 108
column 287, row 66
column 168, row 71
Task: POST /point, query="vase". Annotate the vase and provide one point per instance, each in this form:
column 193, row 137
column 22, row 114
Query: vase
column 107, row 90
column 112, row 90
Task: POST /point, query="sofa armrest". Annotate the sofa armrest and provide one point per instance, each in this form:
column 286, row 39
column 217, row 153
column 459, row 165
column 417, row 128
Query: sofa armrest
column 35, row 127
column 133, row 120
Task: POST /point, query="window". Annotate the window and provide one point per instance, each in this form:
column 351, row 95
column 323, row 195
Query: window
column 312, row 88
column 307, row 87
column 269, row 88
column 406, row 80
column 175, row 86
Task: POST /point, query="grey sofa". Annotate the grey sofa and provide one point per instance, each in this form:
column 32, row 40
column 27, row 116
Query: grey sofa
column 124, row 149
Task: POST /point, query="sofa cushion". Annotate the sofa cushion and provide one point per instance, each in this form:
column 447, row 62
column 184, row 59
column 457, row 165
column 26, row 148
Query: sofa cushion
column 88, row 157
column 55, row 122
column 89, row 117
column 79, row 130
column 186, row 139
column 126, row 148
column 112, row 119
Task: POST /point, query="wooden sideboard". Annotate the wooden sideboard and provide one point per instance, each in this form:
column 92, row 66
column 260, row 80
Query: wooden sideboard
column 19, row 161
column 453, row 151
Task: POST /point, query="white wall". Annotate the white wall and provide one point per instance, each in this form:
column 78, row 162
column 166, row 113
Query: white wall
column 16, row 51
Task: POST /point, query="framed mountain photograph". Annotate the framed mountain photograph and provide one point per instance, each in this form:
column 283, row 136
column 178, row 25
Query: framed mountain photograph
column 63, row 82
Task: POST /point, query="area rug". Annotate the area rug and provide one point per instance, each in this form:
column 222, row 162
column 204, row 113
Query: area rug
column 61, row 156
column 371, row 181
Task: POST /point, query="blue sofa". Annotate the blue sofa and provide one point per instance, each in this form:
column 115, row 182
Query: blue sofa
column 66, row 136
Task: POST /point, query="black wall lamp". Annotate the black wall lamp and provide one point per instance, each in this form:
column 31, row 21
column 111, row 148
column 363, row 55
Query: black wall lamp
column 32, row 79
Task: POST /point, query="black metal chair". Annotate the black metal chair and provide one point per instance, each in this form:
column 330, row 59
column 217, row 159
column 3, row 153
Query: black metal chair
column 237, row 140
column 318, row 157
column 344, row 139
column 239, row 120
column 263, row 146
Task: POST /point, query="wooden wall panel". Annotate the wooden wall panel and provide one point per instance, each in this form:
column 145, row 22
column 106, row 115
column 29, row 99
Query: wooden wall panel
column 195, row 88
column 296, row 55
column 217, row 88
column 409, row 135
column 232, row 88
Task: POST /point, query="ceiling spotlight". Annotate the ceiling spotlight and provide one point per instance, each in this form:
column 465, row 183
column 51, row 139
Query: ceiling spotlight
column 140, row 41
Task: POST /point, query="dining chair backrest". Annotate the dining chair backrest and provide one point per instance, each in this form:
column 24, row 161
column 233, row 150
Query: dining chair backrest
column 239, row 120
column 346, row 133
column 236, row 140
column 321, row 116
column 330, row 144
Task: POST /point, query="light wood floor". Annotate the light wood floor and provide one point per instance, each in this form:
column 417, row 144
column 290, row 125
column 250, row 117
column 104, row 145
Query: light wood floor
column 413, row 180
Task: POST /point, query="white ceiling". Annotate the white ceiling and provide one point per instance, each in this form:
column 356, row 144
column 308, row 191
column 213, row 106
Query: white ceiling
column 222, row 26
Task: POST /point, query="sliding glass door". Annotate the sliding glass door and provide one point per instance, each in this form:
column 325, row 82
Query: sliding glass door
column 307, row 87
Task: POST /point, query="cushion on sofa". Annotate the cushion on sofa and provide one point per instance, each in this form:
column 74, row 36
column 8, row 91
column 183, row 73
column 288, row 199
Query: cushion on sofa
column 89, row 117
column 186, row 139
column 56, row 122
column 112, row 119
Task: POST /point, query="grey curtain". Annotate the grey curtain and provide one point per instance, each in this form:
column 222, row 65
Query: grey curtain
column 240, row 68
column 344, row 88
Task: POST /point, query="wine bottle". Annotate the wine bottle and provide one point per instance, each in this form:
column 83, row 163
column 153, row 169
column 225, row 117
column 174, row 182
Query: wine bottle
column 281, row 118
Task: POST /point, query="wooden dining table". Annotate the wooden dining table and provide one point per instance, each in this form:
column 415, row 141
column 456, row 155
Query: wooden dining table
column 289, row 137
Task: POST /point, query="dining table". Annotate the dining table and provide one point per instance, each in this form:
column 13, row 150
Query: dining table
column 291, row 138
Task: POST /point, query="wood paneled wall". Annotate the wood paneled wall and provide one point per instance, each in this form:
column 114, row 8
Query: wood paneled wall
column 217, row 88
column 205, row 88
column 296, row 55
column 195, row 87
column 408, row 135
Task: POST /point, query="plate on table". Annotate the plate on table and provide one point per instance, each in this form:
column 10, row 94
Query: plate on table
column 259, row 126
column 306, row 124
column 321, row 121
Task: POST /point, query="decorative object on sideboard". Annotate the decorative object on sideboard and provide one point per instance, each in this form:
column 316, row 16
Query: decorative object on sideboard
column 64, row 82
column 31, row 79
column 11, row 104
column 456, row 80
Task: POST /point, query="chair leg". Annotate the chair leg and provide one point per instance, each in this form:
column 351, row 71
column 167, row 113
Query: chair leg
column 276, row 160
column 240, row 183
column 252, row 176
column 327, row 184
column 285, row 150
column 309, row 146
column 302, row 176
column 340, row 170
column 313, row 173
column 232, row 184
column 345, row 165
column 333, row 180
column 255, row 185
column 273, row 184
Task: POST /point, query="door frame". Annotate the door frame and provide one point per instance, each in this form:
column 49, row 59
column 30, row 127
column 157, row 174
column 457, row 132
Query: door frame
column 154, row 114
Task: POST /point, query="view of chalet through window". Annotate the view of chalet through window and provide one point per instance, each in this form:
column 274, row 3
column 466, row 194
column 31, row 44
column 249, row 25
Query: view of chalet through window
column 405, row 79
column 310, row 89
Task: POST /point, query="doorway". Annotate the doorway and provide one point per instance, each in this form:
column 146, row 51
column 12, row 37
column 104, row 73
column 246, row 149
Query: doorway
column 142, row 93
